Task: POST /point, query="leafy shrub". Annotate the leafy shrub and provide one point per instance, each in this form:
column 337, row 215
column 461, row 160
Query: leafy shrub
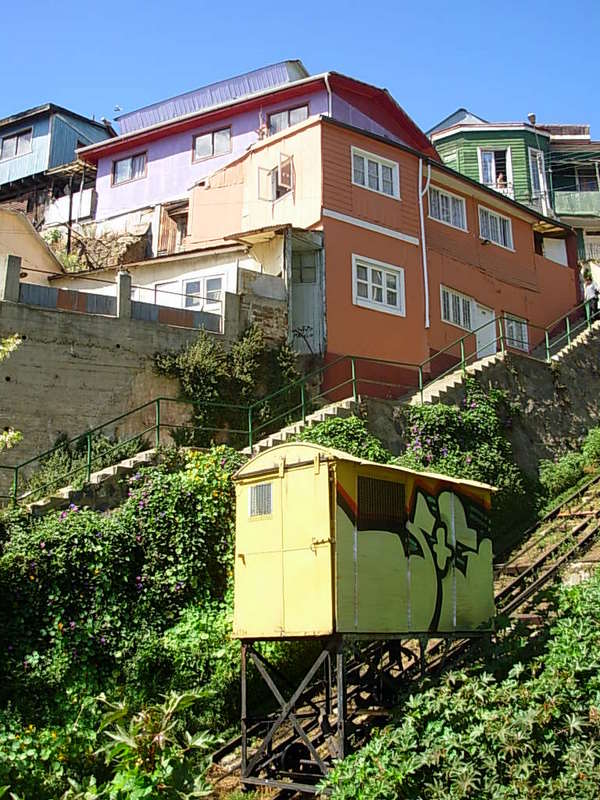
column 82, row 591
column 470, row 442
column 530, row 734
column 223, row 383
column 591, row 449
column 560, row 475
column 350, row 435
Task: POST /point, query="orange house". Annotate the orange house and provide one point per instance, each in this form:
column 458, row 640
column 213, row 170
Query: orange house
column 406, row 256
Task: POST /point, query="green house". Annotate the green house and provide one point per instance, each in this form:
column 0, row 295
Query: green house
column 552, row 168
column 510, row 157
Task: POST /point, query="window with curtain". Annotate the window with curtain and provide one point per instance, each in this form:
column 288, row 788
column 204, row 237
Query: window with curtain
column 456, row 308
column 495, row 228
column 447, row 208
column 129, row 169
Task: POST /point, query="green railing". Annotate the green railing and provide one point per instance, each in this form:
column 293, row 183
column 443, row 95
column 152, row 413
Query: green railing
column 344, row 377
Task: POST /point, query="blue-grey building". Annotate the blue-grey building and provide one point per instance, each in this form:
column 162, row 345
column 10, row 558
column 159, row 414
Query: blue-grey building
column 37, row 155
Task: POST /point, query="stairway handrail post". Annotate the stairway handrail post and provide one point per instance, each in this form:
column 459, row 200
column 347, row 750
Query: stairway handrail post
column 547, row 337
column 157, row 422
column 354, row 386
column 15, row 486
column 462, row 357
column 89, row 456
column 303, row 402
column 421, row 383
column 501, row 327
column 568, row 323
column 588, row 316
column 250, row 427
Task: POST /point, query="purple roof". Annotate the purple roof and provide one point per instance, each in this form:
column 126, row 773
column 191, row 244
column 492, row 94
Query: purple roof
column 214, row 94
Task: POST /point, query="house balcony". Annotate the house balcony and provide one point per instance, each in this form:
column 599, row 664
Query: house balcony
column 577, row 204
column 589, row 251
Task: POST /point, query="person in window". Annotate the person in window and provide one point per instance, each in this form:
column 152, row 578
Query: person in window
column 501, row 182
column 590, row 294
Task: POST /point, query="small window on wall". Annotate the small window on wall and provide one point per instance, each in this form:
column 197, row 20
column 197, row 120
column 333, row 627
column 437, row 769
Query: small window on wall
column 260, row 500
column 203, row 292
column 495, row 228
column 377, row 285
column 456, row 308
column 381, row 505
column 304, row 267
column 281, row 120
column 375, row 173
column 516, row 332
column 447, row 208
column 277, row 182
column 131, row 168
column 215, row 143
column 16, row 144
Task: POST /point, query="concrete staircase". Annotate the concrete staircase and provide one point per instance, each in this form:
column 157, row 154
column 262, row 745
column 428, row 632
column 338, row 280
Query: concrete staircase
column 577, row 341
column 448, row 389
column 104, row 490
column 343, row 408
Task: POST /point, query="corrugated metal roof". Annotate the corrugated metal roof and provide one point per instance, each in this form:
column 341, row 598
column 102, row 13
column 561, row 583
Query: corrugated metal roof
column 221, row 92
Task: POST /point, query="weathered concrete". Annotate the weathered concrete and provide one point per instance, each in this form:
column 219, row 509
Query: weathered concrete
column 74, row 371
column 555, row 404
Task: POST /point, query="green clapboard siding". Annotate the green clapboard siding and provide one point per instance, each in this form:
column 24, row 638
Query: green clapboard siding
column 461, row 153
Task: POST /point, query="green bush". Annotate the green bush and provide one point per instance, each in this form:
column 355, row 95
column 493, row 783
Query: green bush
column 223, row 383
column 591, row 449
column 350, row 435
column 471, row 442
column 558, row 476
column 532, row 733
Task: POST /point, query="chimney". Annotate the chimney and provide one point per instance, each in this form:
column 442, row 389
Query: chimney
column 531, row 118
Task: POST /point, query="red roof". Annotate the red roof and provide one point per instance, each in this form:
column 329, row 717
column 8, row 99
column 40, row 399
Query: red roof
column 375, row 102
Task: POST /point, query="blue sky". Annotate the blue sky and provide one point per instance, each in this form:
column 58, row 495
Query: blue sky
column 500, row 60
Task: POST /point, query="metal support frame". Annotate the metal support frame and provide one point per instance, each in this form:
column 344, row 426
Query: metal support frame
column 349, row 680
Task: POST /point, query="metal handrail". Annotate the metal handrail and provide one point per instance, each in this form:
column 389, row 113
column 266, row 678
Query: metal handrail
column 355, row 381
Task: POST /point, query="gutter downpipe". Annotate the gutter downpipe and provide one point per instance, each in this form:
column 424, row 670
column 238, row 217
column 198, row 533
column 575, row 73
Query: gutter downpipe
column 329, row 96
column 422, row 193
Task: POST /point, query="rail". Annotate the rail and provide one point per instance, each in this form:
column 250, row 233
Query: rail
column 345, row 376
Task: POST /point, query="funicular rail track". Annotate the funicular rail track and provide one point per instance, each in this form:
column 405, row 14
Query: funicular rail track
column 378, row 671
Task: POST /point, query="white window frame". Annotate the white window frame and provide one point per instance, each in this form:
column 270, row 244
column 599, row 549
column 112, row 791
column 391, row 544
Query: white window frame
column 374, row 305
column 205, row 303
column 274, row 177
column 534, row 153
column 463, row 298
column 512, row 341
column 488, row 210
column 451, row 195
column 251, row 490
column 509, row 170
column 380, row 161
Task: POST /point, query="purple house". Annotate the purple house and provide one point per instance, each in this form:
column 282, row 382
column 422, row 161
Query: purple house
column 144, row 175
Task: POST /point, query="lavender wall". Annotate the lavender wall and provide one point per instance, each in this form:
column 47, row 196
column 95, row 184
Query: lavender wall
column 346, row 112
column 171, row 172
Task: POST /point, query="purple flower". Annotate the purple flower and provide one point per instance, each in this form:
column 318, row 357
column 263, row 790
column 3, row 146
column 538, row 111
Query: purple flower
column 72, row 625
column 102, row 640
column 63, row 515
column 42, row 545
column 444, row 451
column 138, row 537
column 473, row 404
column 73, row 507
column 10, row 647
column 468, row 459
